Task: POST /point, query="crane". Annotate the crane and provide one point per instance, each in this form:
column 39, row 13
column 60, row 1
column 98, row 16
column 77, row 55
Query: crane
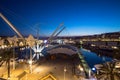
column 11, row 25
column 59, row 31
column 55, row 34
column 38, row 48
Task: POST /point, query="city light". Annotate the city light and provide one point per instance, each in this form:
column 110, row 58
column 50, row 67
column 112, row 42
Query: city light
column 93, row 69
column 30, row 62
column 81, row 69
column 45, row 41
column 87, row 49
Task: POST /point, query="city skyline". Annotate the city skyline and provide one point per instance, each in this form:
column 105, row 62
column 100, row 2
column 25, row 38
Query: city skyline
column 80, row 17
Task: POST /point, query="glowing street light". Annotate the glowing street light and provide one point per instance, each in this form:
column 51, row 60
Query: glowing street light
column 93, row 69
column 30, row 62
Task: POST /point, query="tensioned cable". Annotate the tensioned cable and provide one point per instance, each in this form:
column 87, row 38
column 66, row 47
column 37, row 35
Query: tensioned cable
column 9, row 12
column 32, row 28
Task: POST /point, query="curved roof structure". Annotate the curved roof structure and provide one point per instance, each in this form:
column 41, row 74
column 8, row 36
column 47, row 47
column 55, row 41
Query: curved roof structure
column 64, row 49
column 30, row 40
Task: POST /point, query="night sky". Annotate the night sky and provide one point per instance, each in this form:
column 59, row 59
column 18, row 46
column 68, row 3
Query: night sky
column 80, row 17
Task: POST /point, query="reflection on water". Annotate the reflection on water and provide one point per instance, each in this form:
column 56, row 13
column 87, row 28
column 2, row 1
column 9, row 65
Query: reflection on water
column 92, row 58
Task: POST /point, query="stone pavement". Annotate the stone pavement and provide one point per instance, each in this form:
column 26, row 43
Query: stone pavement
column 43, row 68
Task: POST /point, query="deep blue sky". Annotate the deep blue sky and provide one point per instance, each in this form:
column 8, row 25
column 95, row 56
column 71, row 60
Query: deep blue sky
column 81, row 17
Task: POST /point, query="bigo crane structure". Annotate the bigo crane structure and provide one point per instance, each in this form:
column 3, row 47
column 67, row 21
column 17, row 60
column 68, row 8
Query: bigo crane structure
column 11, row 25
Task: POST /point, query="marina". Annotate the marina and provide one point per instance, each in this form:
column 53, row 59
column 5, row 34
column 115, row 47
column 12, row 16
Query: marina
column 59, row 40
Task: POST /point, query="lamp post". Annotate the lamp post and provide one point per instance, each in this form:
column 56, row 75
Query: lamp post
column 64, row 72
column 8, row 68
column 30, row 61
column 89, row 73
column 14, row 44
column 13, row 57
column 30, row 64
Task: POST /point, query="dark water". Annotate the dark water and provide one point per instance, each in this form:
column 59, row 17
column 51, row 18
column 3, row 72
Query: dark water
column 92, row 58
column 23, row 54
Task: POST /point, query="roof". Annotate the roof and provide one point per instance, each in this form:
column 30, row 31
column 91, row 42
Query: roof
column 64, row 49
column 48, row 77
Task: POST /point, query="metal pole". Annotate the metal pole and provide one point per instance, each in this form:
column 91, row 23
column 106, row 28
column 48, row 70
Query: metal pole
column 9, row 69
column 13, row 27
column 13, row 58
column 64, row 75
column 64, row 72
column 89, row 73
column 30, row 68
column 30, row 62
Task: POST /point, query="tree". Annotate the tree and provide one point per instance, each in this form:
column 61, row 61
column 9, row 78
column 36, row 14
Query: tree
column 108, row 71
column 6, row 54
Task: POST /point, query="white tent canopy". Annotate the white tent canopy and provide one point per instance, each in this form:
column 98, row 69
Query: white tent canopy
column 63, row 50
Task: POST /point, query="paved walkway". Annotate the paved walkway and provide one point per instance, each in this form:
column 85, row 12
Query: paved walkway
column 42, row 68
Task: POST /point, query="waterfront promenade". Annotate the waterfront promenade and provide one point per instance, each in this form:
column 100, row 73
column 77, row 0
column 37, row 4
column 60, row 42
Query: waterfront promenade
column 43, row 68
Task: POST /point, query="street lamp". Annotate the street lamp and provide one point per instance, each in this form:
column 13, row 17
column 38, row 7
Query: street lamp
column 30, row 61
column 30, row 64
column 64, row 72
column 13, row 57
column 89, row 73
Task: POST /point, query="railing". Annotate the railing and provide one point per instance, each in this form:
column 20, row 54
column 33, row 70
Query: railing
column 84, row 64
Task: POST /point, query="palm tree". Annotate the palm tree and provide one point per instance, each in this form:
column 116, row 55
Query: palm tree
column 108, row 71
column 6, row 54
column 6, row 42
